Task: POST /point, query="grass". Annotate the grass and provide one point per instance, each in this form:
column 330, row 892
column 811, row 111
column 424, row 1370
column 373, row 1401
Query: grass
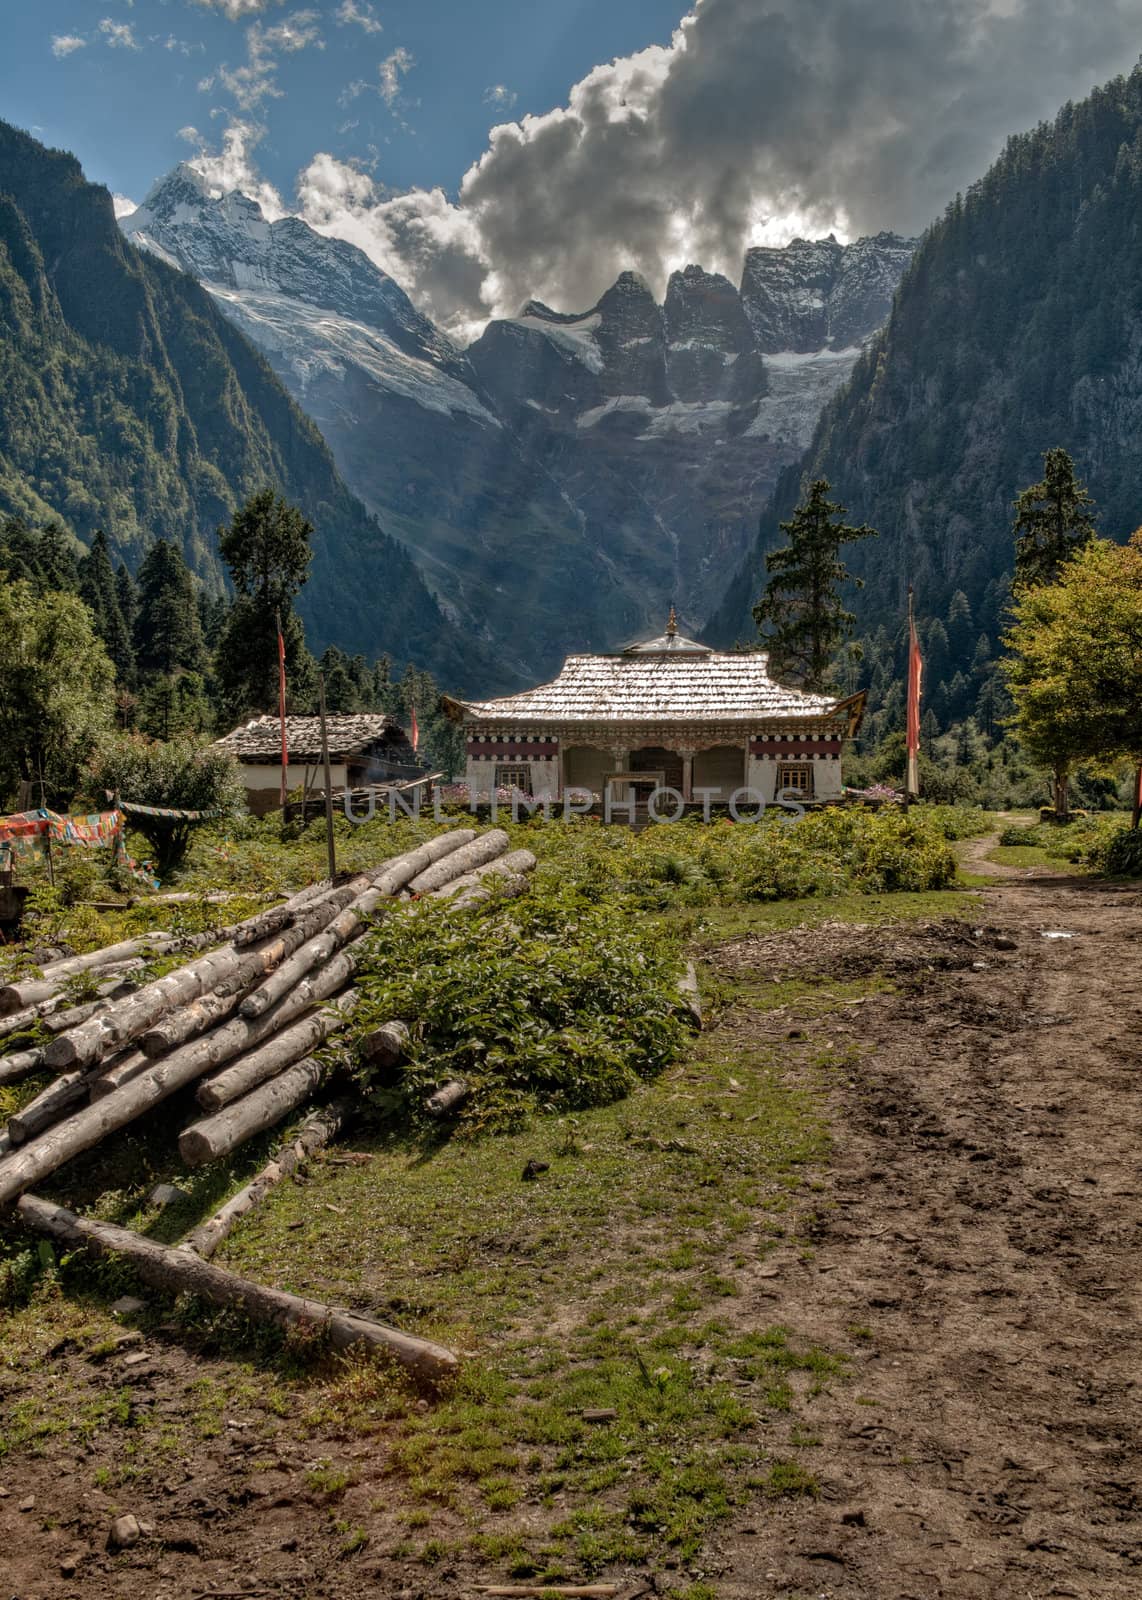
column 1031, row 855
column 620, row 1282
column 611, row 1284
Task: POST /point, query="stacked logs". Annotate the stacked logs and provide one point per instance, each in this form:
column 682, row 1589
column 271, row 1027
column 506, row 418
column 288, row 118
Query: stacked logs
column 243, row 1019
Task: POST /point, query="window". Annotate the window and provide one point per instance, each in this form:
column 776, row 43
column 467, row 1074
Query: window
column 514, row 778
column 795, row 780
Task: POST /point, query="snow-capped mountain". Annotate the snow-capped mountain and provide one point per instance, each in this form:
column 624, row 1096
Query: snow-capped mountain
column 315, row 305
column 567, row 477
column 684, row 413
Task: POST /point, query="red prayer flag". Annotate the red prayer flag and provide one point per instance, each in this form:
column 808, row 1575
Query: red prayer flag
column 915, row 674
column 282, row 707
column 415, row 729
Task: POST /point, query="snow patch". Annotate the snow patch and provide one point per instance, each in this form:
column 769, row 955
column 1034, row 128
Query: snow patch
column 314, row 342
column 573, row 338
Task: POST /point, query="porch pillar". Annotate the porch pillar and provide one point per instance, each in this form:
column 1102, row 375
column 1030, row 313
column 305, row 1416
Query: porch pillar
column 687, row 774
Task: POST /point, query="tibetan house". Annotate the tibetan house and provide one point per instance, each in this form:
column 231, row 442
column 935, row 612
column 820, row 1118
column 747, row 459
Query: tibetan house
column 668, row 713
column 364, row 749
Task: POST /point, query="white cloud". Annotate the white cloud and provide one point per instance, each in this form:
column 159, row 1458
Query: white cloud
column 233, row 167
column 255, row 80
column 348, row 12
column 119, row 35
column 63, row 44
column 392, row 69
column 191, row 135
column 237, row 9
column 752, row 124
column 500, row 96
column 123, row 206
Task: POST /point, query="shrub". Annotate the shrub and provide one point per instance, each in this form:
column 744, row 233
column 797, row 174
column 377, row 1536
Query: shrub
column 1116, row 852
column 561, row 1003
column 180, row 773
column 829, row 852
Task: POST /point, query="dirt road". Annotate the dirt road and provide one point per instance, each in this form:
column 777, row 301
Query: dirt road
column 979, row 1234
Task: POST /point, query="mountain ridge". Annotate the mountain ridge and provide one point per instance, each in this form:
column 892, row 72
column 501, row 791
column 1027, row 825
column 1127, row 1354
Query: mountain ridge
column 529, row 465
column 1016, row 328
column 133, row 404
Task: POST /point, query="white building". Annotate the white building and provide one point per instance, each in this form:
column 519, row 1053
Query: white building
column 364, row 748
column 668, row 713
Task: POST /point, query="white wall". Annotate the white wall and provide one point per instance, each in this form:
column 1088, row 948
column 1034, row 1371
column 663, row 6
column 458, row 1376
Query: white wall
column 827, row 781
column 263, row 783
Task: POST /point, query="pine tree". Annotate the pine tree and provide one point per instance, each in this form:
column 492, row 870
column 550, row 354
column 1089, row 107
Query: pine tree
column 801, row 606
column 168, row 634
column 1052, row 522
column 99, row 591
column 128, row 597
column 267, row 550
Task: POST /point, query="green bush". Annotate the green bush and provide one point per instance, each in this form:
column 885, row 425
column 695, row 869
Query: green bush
column 1116, row 852
column 845, row 850
column 552, row 1002
column 181, row 774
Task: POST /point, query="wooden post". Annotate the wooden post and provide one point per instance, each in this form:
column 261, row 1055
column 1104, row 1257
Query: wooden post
column 1137, row 798
column 178, row 1272
column 282, row 711
column 329, row 843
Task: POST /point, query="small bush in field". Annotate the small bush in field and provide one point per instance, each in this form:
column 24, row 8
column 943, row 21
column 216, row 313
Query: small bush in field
column 551, row 1002
column 843, row 850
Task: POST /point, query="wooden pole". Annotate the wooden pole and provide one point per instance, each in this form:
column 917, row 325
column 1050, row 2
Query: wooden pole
column 1137, row 798
column 318, row 1130
column 180, row 1272
column 329, row 842
column 282, row 711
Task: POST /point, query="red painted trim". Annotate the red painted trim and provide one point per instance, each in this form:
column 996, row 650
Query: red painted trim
column 794, row 747
column 512, row 750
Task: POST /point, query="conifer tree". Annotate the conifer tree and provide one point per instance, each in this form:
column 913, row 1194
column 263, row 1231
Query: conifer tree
column 168, row 634
column 1053, row 520
column 267, row 550
column 99, row 591
column 801, row 606
column 128, row 597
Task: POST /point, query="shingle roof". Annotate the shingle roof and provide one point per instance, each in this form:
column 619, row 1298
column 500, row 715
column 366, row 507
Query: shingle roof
column 667, row 684
column 261, row 738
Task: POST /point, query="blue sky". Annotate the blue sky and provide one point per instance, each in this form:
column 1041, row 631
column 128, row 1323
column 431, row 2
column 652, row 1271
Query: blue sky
column 120, row 108
column 488, row 151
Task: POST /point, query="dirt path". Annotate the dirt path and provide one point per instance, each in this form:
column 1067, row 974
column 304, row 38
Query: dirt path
column 979, row 1235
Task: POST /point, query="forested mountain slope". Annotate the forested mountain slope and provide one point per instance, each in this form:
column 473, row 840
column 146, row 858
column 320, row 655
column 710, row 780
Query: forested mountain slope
column 128, row 402
column 1017, row 327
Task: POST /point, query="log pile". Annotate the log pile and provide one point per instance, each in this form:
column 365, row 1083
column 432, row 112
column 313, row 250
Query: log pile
column 242, row 1019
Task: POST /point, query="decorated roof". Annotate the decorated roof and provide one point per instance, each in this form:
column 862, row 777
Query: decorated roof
column 669, row 679
column 261, row 739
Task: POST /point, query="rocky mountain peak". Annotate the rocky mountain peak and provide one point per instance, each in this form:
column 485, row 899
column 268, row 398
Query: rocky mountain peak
column 225, row 241
column 818, row 294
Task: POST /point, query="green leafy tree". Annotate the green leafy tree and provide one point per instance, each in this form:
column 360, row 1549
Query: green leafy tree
column 1053, row 519
column 56, row 691
column 181, row 774
column 267, row 550
column 800, row 614
column 1075, row 663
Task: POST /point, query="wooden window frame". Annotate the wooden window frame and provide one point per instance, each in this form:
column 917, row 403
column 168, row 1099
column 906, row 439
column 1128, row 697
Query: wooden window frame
column 520, row 777
column 796, row 770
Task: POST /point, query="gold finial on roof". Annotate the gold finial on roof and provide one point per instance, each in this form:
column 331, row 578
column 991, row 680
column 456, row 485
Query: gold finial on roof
column 671, row 624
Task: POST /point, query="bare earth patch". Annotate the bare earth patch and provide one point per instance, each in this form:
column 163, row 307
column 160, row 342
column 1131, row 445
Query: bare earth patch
column 980, row 1227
